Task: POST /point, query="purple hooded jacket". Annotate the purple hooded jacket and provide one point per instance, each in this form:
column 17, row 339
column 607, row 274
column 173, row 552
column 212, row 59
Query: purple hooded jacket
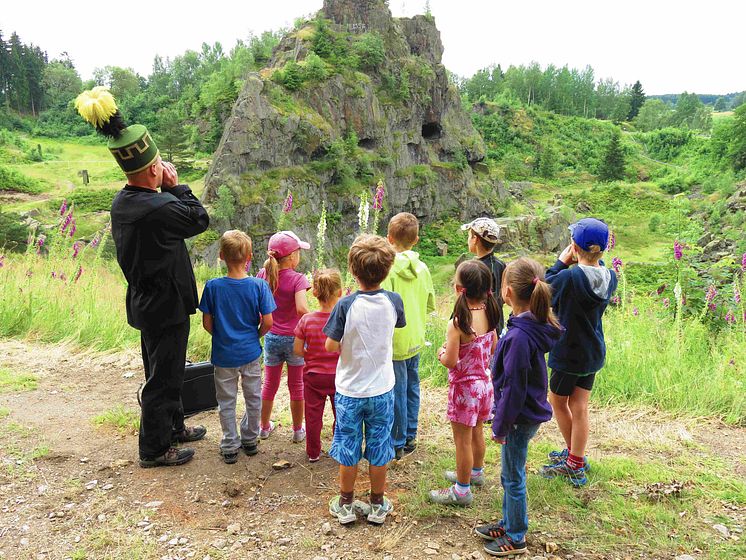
column 519, row 374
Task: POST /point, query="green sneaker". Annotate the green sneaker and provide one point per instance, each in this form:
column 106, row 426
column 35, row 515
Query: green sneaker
column 345, row 513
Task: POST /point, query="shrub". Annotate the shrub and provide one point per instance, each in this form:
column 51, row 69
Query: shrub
column 290, row 76
column 224, row 207
column 370, row 50
column 13, row 233
column 314, row 69
column 12, row 180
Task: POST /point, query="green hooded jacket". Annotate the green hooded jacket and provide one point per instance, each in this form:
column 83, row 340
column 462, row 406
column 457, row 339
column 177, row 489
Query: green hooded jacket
column 410, row 278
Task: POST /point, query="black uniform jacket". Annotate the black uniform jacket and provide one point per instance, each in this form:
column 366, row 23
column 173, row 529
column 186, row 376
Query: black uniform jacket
column 149, row 229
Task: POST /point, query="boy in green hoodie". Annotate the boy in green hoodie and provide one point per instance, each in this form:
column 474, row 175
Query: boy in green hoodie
column 410, row 278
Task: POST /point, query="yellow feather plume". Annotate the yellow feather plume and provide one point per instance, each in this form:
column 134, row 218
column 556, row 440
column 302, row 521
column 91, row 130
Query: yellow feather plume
column 96, row 105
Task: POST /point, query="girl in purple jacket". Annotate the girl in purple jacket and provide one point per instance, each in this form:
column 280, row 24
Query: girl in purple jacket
column 519, row 378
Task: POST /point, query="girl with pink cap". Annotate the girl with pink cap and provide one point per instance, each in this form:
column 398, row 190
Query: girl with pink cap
column 289, row 290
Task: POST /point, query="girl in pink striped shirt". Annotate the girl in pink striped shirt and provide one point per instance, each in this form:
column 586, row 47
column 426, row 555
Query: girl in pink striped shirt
column 320, row 366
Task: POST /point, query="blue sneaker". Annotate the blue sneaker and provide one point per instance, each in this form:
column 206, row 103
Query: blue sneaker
column 559, row 456
column 576, row 476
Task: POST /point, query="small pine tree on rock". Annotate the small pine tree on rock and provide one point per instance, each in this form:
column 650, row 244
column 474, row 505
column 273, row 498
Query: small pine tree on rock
column 612, row 167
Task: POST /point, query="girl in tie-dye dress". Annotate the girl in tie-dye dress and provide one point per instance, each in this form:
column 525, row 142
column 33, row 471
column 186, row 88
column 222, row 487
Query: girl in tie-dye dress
column 470, row 342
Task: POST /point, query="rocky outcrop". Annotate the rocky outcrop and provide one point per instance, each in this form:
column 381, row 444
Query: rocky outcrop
column 398, row 119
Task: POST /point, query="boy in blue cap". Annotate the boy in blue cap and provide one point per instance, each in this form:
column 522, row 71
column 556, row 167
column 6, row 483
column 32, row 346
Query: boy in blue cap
column 580, row 296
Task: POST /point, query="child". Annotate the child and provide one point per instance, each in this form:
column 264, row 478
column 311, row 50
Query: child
column 519, row 377
column 289, row 290
column 320, row 365
column 470, row 342
column 484, row 235
column 237, row 312
column 410, row 278
column 361, row 328
column 581, row 295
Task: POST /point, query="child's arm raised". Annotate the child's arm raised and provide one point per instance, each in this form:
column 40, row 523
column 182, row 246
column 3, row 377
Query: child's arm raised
column 207, row 322
column 266, row 324
column 448, row 356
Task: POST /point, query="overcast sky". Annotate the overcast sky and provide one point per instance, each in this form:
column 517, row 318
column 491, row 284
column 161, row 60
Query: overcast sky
column 666, row 44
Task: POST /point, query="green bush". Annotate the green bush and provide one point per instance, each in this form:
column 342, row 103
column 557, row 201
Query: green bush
column 224, row 207
column 88, row 200
column 12, row 180
column 370, row 50
column 13, row 233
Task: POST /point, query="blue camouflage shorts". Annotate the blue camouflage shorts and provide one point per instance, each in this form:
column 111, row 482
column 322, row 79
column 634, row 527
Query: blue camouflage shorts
column 372, row 417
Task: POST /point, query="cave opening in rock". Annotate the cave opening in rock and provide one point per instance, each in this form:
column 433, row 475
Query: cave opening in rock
column 431, row 131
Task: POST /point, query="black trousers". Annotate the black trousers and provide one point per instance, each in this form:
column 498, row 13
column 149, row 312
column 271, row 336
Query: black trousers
column 162, row 414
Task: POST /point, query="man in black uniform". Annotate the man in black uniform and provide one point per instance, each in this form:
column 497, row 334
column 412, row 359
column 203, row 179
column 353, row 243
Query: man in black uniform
column 149, row 229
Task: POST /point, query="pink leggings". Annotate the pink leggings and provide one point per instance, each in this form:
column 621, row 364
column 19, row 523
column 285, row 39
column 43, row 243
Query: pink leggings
column 272, row 375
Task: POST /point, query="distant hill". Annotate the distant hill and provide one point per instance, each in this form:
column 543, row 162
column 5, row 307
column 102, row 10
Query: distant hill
column 732, row 100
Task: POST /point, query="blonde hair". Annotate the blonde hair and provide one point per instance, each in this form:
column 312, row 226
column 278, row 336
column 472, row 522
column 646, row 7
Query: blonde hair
column 526, row 278
column 272, row 269
column 594, row 255
column 235, row 246
column 370, row 259
column 404, row 229
column 327, row 283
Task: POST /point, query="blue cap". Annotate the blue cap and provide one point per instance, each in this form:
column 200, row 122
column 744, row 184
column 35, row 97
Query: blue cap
column 588, row 232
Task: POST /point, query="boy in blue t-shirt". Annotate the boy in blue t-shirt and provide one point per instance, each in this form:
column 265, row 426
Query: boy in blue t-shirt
column 237, row 311
column 361, row 328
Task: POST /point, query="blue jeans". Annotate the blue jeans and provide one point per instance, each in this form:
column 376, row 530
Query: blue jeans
column 513, row 478
column 406, row 401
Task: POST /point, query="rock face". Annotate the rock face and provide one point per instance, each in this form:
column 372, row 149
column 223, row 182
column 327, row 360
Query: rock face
column 358, row 118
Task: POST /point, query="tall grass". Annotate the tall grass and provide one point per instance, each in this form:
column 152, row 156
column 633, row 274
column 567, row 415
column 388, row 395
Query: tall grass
column 700, row 372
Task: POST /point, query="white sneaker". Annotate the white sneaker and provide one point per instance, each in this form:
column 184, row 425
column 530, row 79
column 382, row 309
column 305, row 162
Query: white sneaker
column 378, row 512
column 299, row 435
column 264, row 434
column 478, row 480
column 345, row 514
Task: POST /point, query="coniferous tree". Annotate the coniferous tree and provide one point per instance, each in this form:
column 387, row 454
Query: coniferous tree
column 612, row 167
column 636, row 100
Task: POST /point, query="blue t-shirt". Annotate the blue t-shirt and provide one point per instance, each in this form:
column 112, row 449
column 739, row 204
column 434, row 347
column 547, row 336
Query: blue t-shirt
column 236, row 307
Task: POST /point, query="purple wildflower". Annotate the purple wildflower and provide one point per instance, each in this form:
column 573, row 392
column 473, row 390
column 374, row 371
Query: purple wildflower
column 29, row 273
column 615, row 300
column 63, row 207
column 736, row 293
column 54, row 274
column 661, row 289
column 617, row 264
column 78, row 274
column 76, row 249
column 72, row 228
column 40, row 244
column 711, row 293
column 378, row 197
column 66, row 222
column 743, row 262
column 612, row 242
column 635, row 311
column 95, row 241
column 287, row 206
column 678, row 251
column 730, row 318
column 666, row 303
column 712, row 307
column 2, row 261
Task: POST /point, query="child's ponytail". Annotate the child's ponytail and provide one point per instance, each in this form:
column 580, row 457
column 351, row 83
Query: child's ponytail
column 526, row 278
column 474, row 280
column 272, row 271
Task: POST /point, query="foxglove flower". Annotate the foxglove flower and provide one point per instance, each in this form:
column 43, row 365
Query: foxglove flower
column 54, row 274
column 40, row 244
column 730, row 318
column 72, row 228
column 615, row 300
column 711, row 293
column 661, row 289
column 612, row 242
column 66, row 222
column 378, row 198
column 677, row 250
column 617, row 264
column 76, row 249
column 635, row 311
column 743, row 262
column 666, row 303
column 287, row 206
column 78, row 274
column 63, row 207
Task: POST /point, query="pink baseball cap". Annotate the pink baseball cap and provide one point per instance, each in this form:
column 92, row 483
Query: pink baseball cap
column 283, row 243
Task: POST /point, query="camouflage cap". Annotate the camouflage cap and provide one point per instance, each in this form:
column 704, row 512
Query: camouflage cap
column 486, row 228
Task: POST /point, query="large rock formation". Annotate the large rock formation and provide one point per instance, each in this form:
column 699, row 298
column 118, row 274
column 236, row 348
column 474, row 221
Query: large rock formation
column 354, row 118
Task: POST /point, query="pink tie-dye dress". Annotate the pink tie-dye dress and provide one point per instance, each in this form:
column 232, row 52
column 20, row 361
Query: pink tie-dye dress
column 470, row 394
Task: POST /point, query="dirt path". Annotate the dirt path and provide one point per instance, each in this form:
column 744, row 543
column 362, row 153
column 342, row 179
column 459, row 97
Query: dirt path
column 52, row 508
